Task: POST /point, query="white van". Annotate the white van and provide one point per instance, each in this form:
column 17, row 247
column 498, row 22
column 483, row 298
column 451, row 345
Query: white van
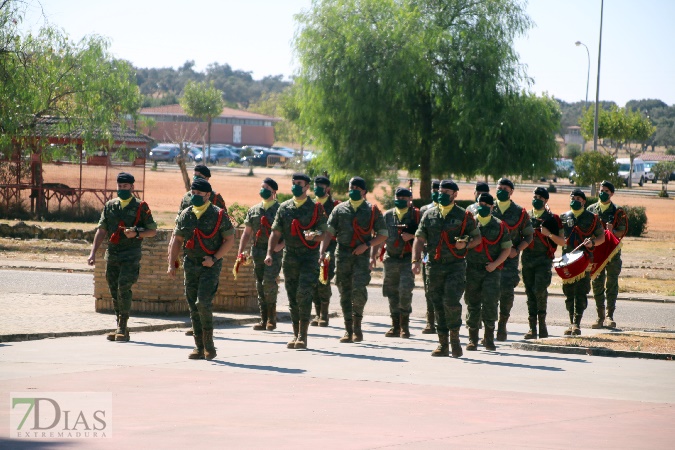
column 639, row 175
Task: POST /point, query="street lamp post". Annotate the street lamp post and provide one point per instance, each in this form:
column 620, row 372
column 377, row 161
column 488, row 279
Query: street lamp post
column 597, row 86
column 588, row 76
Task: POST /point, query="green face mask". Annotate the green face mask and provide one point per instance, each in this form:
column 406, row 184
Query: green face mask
column 401, row 204
column 434, row 197
column 265, row 193
column 197, row 200
column 444, row 199
column 502, row 195
column 355, row 195
column 296, row 189
column 576, row 205
column 604, row 196
column 537, row 203
column 319, row 191
column 196, row 177
column 484, row 210
column 124, row 194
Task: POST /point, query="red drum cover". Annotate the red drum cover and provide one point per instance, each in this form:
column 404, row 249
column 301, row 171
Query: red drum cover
column 603, row 253
column 571, row 266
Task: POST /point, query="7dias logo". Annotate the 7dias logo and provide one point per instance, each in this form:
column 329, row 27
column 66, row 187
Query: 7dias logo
column 54, row 415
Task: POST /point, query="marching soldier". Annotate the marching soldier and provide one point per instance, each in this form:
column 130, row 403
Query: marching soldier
column 399, row 281
column 430, row 328
column 323, row 292
column 299, row 221
column 125, row 221
column 206, row 235
column 537, row 262
column 580, row 227
column 445, row 230
column 606, row 282
column 481, row 187
column 258, row 224
column 483, row 273
column 517, row 222
column 359, row 229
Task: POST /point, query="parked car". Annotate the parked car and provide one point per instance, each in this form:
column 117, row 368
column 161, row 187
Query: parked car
column 219, row 155
column 638, row 175
column 193, row 153
column 650, row 176
column 164, row 152
column 285, row 151
column 260, row 158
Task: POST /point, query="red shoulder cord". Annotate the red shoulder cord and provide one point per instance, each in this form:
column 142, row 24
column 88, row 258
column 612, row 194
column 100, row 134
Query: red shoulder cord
column 408, row 247
column 214, row 197
column 446, row 239
column 616, row 221
column 360, row 232
column 266, row 226
column 517, row 224
column 550, row 249
column 582, row 235
column 484, row 243
column 115, row 237
column 199, row 235
column 297, row 229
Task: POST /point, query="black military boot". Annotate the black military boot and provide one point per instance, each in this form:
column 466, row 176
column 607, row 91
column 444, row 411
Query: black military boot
column 610, row 318
column 501, row 328
column 122, row 333
column 568, row 331
column 301, row 342
column 271, row 317
column 431, row 325
column 576, row 326
column 358, row 334
column 473, row 340
column 455, row 345
column 395, row 329
column 532, row 332
column 489, row 338
column 296, row 330
column 600, row 321
column 315, row 320
column 111, row 336
column 349, row 332
column 442, row 349
column 209, row 346
column 323, row 320
column 262, row 325
column 198, row 351
column 405, row 326
column 543, row 331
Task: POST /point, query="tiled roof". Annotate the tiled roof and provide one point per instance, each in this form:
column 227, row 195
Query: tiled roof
column 177, row 110
column 649, row 156
column 51, row 128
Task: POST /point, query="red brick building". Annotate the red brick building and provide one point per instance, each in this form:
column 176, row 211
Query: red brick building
column 232, row 126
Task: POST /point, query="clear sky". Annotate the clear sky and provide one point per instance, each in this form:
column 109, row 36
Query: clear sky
column 638, row 55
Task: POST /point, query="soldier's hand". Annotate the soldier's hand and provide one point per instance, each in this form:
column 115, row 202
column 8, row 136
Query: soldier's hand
column 610, row 227
column 268, row 260
column 514, row 253
column 208, row 261
column 373, row 262
column 360, row 249
column 130, row 233
column 92, row 259
column 490, row 267
column 171, row 271
column 461, row 245
column 407, row 236
column 416, row 269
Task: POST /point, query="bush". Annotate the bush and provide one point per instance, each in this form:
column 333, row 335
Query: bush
column 281, row 197
column 573, row 150
column 86, row 214
column 237, row 213
column 637, row 220
column 464, row 203
column 663, row 194
column 551, row 188
column 670, row 151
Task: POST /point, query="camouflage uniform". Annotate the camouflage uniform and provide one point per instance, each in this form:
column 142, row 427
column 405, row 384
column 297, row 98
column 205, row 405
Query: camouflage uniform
column 607, row 280
column 124, row 257
column 201, row 283
column 266, row 277
column 323, row 292
column 300, row 263
column 214, row 197
column 353, row 271
column 431, row 325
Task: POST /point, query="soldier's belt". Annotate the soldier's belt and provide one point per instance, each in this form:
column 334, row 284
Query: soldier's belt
column 445, row 260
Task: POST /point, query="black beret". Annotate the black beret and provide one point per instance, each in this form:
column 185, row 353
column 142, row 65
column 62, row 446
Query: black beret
column 201, row 184
column 486, row 198
column 200, row 168
column 578, row 193
column 435, row 184
column 542, row 192
column 449, row 184
column 358, row 182
column 403, row 192
column 301, row 176
column 506, row 182
column 271, row 183
column 482, row 186
column 608, row 185
column 322, row 180
column 124, row 177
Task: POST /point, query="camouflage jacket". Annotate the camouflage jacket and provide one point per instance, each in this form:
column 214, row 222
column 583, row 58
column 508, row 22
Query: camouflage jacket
column 541, row 245
column 111, row 219
column 441, row 232
column 516, row 220
column 261, row 220
column 396, row 246
column 366, row 218
column 205, row 235
column 494, row 239
column 576, row 229
column 613, row 214
column 292, row 221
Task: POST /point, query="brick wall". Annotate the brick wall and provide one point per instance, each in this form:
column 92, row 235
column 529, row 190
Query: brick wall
column 156, row 293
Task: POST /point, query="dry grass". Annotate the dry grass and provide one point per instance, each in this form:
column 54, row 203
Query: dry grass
column 633, row 341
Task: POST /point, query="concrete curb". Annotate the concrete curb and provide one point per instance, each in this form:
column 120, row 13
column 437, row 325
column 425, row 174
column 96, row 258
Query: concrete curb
column 592, row 351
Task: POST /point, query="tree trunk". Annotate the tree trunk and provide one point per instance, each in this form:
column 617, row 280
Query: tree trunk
column 208, row 138
column 183, row 169
column 425, row 153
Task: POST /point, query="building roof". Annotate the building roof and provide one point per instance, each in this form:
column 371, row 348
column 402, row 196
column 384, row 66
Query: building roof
column 649, row 156
column 51, row 128
column 230, row 113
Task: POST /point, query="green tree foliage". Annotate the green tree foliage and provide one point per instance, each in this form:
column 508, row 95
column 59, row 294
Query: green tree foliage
column 594, row 167
column 663, row 171
column 637, row 220
column 204, row 102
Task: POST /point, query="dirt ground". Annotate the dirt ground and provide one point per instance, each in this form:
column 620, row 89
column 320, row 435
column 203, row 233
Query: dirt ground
column 634, row 341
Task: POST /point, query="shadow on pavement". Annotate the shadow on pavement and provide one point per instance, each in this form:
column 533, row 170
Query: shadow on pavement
column 398, row 347
column 18, row 444
column 555, row 358
column 511, row 365
column 253, row 341
column 352, row 355
column 152, row 344
column 255, row 367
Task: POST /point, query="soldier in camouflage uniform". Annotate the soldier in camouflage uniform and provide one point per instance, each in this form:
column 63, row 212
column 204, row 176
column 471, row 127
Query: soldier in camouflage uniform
column 615, row 220
column 299, row 221
column 483, row 273
column 125, row 221
column 258, row 224
column 481, row 187
column 537, row 263
column 440, row 229
column 580, row 227
column 323, row 292
column 359, row 228
column 206, row 234
column 517, row 221
column 430, row 327
column 398, row 282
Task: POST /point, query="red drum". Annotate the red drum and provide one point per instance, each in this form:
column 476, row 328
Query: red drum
column 603, row 253
column 571, row 266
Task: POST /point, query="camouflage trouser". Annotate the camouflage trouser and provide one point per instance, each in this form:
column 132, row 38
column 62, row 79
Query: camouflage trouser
column 201, row 284
column 425, row 279
column 611, row 274
column 266, row 277
column 537, row 279
column 576, row 295
column 121, row 276
column 301, row 274
column 510, row 280
column 352, row 275
column 398, row 284
column 323, row 292
column 482, row 292
column 446, row 285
